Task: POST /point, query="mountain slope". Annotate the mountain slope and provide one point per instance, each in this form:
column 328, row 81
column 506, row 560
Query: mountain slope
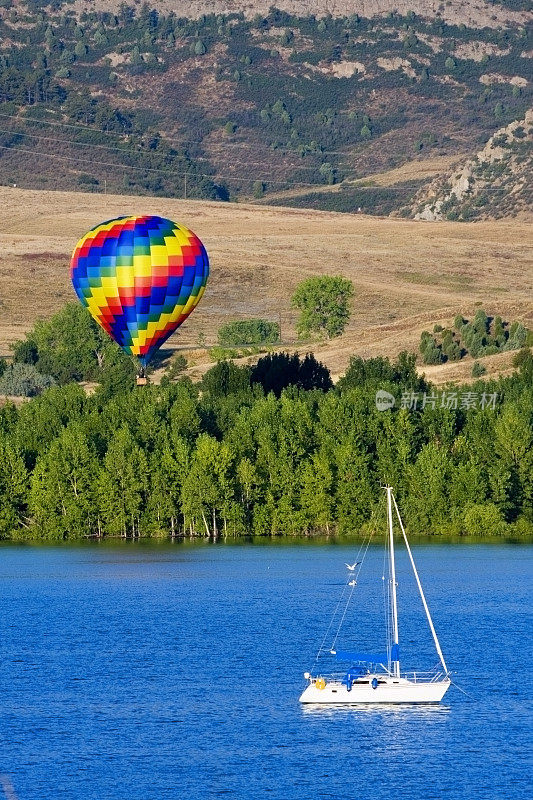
column 495, row 183
column 224, row 107
column 473, row 13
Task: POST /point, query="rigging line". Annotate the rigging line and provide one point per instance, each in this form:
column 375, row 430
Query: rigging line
column 353, row 589
column 386, row 599
column 471, row 696
column 321, row 648
column 421, row 591
column 332, row 619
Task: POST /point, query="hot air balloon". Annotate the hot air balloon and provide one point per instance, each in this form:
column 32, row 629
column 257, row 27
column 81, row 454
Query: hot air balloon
column 140, row 278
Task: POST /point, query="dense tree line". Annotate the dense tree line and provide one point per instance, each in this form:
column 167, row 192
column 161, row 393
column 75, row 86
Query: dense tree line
column 226, row 458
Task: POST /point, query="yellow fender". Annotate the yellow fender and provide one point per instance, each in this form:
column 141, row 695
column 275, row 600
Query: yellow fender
column 320, row 683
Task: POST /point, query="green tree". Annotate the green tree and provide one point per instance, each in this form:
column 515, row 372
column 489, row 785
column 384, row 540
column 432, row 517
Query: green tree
column 71, row 346
column 258, row 189
column 428, row 478
column 80, row 50
column 327, row 172
column 122, row 485
column 62, row 486
column 226, row 378
column 207, row 489
column 277, row 371
column 287, row 36
column 323, row 303
column 13, row 489
column 483, row 520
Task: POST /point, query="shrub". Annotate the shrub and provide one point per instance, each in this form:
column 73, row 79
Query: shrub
column 248, row 331
column 87, row 180
column 478, row 370
column 23, row 380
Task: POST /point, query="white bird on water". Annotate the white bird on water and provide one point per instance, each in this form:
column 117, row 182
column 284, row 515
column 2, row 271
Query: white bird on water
column 351, row 567
column 353, row 583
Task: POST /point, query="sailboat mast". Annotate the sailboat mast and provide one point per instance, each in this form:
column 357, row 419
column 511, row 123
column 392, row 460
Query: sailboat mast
column 421, row 591
column 396, row 663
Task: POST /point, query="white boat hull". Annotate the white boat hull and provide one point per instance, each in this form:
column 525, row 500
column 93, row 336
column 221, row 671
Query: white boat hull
column 397, row 690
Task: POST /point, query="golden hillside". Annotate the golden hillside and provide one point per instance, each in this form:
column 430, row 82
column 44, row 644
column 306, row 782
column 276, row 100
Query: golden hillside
column 408, row 275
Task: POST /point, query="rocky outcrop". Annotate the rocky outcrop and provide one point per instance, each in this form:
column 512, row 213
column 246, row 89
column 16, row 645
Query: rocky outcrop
column 494, row 184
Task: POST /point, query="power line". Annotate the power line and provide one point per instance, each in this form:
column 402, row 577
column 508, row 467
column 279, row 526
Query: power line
column 77, row 159
column 140, row 152
column 126, row 133
column 185, row 174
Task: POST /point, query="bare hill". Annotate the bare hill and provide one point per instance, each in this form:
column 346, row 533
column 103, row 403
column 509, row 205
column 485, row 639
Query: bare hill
column 408, row 275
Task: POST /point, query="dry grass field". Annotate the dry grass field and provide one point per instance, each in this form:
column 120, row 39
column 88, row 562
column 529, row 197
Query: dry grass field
column 407, row 275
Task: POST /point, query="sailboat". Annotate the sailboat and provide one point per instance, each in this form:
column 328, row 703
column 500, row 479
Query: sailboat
column 376, row 677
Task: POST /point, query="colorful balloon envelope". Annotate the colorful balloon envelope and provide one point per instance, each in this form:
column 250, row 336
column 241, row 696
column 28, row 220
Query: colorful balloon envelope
column 140, row 278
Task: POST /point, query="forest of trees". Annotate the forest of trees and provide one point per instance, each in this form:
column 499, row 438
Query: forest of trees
column 226, row 458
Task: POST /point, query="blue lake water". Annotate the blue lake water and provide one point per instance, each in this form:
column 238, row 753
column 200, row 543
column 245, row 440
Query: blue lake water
column 143, row 672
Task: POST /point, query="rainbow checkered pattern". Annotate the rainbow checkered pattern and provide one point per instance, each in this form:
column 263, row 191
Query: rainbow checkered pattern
column 140, row 278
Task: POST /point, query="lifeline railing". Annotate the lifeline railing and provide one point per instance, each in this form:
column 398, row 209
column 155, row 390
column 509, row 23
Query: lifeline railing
column 418, row 676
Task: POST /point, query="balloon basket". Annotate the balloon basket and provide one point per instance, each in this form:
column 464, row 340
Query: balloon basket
column 141, row 381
